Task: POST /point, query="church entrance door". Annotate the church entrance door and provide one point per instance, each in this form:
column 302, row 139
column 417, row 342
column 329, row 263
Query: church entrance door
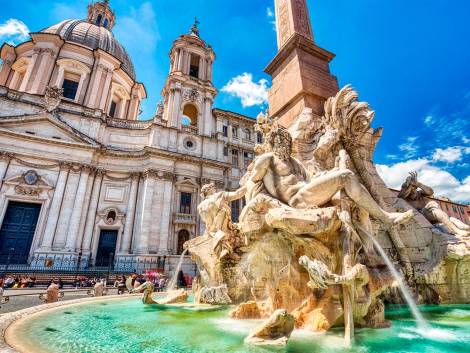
column 17, row 231
column 106, row 248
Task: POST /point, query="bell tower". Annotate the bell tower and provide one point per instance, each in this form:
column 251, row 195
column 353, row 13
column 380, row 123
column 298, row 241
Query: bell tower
column 100, row 14
column 188, row 92
column 300, row 70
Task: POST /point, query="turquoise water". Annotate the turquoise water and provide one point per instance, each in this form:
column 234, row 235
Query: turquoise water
column 131, row 327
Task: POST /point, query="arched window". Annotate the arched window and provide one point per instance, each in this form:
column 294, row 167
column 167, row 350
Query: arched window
column 183, row 237
column 189, row 115
column 98, row 20
column 194, row 66
column 105, row 23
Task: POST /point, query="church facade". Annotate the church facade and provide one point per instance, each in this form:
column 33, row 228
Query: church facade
column 86, row 184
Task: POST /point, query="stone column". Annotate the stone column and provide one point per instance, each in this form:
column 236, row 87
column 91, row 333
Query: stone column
column 209, row 70
column 165, row 220
column 66, row 210
column 45, row 56
column 29, row 70
column 93, row 95
column 91, row 216
column 174, row 64
column 157, row 209
column 168, row 112
column 131, row 204
column 207, row 116
column 133, row 108
column 180, row 60
column 202, row 68
column 77, row 210
column 60, row 77
column 6, row 68
column 86, row 206
column 54, row 209
column 175, row 119
column 106, row 89
column 146, row 214
column 5, row 159
column 139, row 214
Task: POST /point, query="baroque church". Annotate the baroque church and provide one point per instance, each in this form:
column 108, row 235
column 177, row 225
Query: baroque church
column 86, row 184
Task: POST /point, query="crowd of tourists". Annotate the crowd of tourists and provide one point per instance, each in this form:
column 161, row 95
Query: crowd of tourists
column 18, row 282
column 159, row 280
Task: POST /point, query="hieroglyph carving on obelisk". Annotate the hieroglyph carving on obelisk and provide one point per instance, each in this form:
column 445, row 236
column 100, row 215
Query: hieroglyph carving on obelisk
column 292, row 17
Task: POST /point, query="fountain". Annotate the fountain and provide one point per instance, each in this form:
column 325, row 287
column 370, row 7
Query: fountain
column 420, row 320
column 302, row 260
column 304, row 242
column 172, row 284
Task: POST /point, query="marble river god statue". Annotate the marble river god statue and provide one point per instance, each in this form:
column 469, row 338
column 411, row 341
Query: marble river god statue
column 419, row 196
column 302, row 244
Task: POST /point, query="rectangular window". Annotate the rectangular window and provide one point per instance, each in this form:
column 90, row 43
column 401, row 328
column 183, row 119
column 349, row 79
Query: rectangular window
column 247, row 159
column 235, row 158
column 70, row 89
column 259, row 138
column 185, row 203
column 225, row 151
column 235, row 207
column 235, row 132
column 247, row 134
column 225, row 130
column 112, row 109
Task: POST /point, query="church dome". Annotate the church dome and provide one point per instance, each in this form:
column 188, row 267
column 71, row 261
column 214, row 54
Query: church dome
column 94, row 37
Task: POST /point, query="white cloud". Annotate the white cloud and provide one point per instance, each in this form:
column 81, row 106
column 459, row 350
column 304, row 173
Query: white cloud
column 449, row 154
column 140, row 23
column 443, row 182
column 271, row 16
column 13, row 31
column 409, row 147
column 429, row 120
column 251, row 93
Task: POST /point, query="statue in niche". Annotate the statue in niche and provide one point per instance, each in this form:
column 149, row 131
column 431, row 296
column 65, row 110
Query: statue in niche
column 418, row 195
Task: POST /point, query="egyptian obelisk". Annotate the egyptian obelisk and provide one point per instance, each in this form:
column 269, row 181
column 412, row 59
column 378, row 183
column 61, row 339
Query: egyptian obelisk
column 300, row 70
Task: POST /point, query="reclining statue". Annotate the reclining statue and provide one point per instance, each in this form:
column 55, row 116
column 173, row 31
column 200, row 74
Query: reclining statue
column 418, row 195
column 285, row 179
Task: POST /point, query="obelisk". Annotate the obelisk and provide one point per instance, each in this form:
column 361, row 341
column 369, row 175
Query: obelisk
column 300, row 70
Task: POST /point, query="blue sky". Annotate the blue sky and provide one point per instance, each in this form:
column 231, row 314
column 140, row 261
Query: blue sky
column 408, row 59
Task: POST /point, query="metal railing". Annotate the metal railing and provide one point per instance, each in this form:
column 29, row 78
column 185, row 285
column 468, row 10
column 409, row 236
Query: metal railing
column 184, row 218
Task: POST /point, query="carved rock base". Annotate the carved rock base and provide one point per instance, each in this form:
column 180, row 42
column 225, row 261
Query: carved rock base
column 274, row 331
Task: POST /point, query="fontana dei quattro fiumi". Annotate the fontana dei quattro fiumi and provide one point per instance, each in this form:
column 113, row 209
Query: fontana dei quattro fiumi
column 321, row 257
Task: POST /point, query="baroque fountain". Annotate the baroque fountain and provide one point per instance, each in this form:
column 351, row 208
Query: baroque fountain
column 319, row 247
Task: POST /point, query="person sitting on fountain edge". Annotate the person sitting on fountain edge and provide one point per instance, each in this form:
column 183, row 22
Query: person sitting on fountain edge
column 286, row 179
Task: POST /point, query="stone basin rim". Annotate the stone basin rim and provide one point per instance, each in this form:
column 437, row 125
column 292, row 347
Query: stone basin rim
column 9, row 321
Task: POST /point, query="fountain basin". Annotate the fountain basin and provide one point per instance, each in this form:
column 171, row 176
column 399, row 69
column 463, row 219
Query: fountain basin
column 125, row 325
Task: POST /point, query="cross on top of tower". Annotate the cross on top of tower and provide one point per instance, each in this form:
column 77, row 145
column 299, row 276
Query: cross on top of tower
column 194, row 29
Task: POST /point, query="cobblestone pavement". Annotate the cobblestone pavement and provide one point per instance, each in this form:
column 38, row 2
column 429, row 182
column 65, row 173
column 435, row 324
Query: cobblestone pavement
column 25, row 298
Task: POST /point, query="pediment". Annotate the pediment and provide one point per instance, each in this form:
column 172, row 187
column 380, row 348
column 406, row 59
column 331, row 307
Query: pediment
column 189, row 183
column 44, row 126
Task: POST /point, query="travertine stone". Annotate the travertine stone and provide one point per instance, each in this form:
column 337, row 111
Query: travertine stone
column 274, row 331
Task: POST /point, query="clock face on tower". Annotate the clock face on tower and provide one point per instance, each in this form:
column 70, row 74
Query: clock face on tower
column 31, row 177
